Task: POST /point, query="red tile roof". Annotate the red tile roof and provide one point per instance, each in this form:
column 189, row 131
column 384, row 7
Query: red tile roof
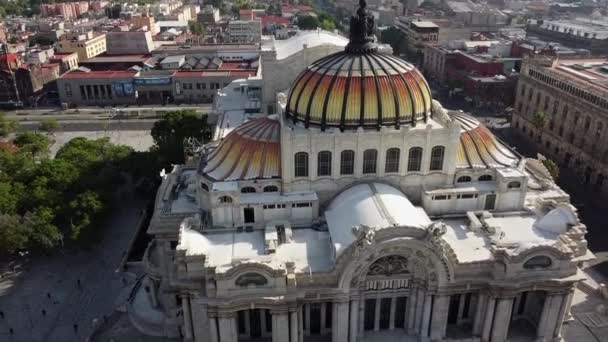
column 75, row 74
column 272, row 19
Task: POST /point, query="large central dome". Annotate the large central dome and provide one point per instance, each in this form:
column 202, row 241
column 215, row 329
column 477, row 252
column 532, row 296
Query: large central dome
column 359, row 87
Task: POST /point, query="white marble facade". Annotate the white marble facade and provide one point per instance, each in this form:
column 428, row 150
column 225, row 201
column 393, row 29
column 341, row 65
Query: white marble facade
column 287, row 230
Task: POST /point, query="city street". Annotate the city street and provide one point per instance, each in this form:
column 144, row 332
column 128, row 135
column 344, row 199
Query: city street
column 57, row 298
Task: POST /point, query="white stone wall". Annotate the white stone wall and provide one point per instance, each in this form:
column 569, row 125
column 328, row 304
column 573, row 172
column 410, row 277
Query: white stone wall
column 313, row 141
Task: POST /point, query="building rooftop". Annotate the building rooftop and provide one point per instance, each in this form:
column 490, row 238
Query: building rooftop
column 591, row 70
column 424, row 24
column 74, row 74
column 304, row 39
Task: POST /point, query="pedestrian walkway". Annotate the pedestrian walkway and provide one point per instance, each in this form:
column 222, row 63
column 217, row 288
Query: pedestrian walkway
column 52, row 284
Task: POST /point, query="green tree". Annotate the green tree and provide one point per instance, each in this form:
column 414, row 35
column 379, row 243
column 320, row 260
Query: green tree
column 196, row 28
column 307, row 22
column 328, row 25
column 34, row 143
column 13, row 235
column 170, row 132
column 40, row 40
column 49, row 125
column 84, row 210
column 7, row 125
column 552, row 168
column 539, row 119
column 395, row 38
column 42, row 231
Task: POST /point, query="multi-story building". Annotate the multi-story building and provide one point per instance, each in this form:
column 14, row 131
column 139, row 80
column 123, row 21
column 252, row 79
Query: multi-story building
column 67, row 61
column 345, row 217
column 209, row 15
column 577, row 33
column 418, row 34
column 562, row 106
column 245, row 31
column 197, row 85
column 86, row 45
column 129, row 42
column 146, row 23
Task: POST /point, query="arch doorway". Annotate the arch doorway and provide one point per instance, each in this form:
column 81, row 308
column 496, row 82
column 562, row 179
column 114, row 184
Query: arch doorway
column 386, row 290
column 254, row 325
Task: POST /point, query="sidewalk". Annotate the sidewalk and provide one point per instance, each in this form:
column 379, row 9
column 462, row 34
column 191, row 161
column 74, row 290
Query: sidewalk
column 71, row 309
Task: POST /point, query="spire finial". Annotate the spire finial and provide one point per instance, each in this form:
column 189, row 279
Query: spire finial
column 362, row 38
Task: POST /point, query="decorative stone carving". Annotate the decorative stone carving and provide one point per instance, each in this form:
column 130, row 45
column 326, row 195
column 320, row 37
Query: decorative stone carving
column 389, row 265
column 364, row 236
column 435, row 231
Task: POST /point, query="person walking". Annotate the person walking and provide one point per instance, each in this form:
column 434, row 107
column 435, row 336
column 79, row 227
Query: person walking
column 75, row 326
column 2, row 314
column 43, row 312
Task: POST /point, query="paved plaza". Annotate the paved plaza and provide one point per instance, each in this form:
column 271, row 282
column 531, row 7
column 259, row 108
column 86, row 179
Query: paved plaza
column 71, row 311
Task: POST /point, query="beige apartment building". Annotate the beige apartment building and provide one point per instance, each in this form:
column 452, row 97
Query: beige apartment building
column 87, row 45
column 572, row 95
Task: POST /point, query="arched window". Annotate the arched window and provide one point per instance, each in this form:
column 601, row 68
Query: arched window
column 301, row 164
column 347, row 162
column 485, row 178
column 369, row 161
column 324, row 163
column 514, row 185
column 270, row 188
column 392, row 160
column 414, row 159
column 539, row 261
column 248, row 190
column 463, row 179
column 225, row 199
column 204, row 187
column 437, row 158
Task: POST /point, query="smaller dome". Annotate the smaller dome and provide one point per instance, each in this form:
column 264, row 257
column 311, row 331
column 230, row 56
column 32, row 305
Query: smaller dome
column 478, row 147
column 250, row 151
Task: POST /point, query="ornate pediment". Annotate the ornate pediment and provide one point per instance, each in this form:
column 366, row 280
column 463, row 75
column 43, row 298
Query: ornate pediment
column 388, row 266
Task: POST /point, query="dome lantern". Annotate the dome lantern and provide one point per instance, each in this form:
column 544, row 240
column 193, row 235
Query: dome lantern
column 360, row 86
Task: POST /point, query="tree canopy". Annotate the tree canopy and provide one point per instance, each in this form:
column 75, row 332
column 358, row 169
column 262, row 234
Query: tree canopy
column 308, row 22
column 170, row 132
column 7, row 125
column 394, row 38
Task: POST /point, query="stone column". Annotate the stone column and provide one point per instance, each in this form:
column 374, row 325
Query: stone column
column 488, row 319
column 391, row 323
column 247, row 322
column 300, row 324
column 479, row 313
column 200, row 319
column 426, row 316
column 280, row 326
column 502, row 319
column 410, row 317
column 377, row 314
column 307, row 318
column 440, row 316
column 339, row 328
column 213, row 337
column 187, row 318
column 361, row 315
column 461, row 299
column 354, row 320
column 294, row 329
column 419, row 311
column 227, row 328
column 561, row 316
column 323, row 314
column 544, row 317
